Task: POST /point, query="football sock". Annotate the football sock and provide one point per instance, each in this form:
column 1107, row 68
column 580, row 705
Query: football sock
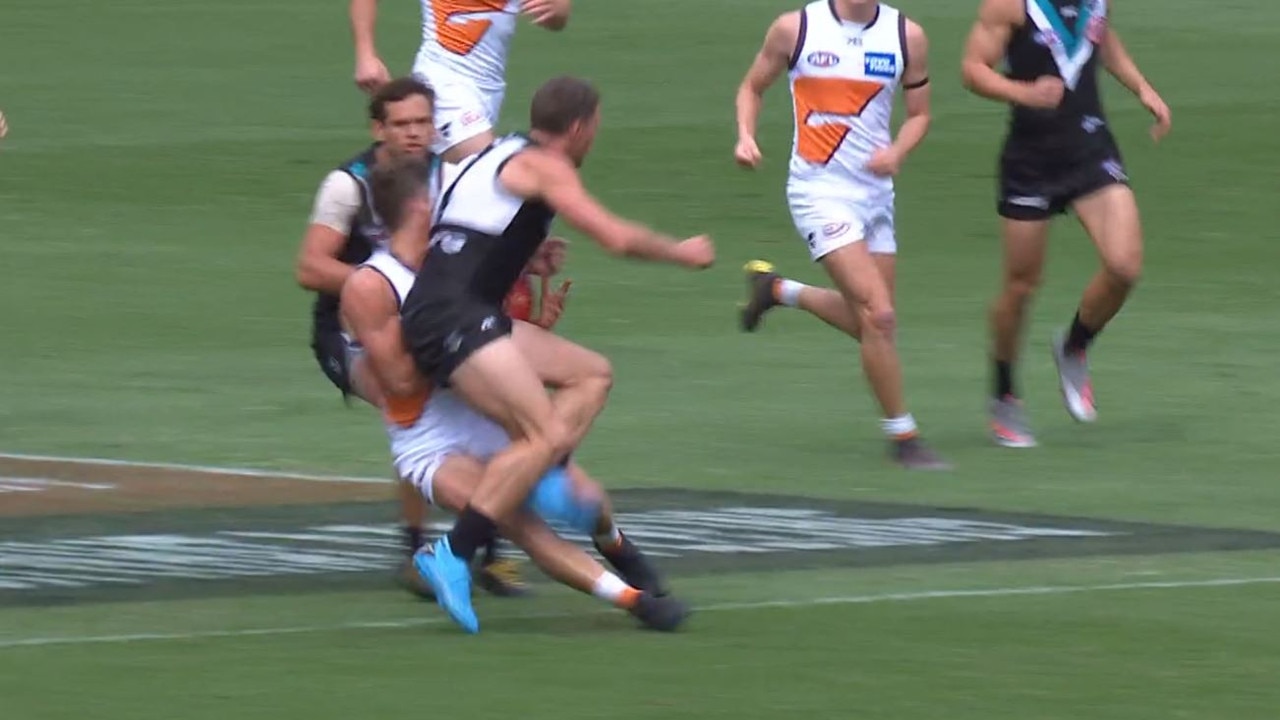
column 902, row 427
column 1004, row 379
column 413, row 538
column 787, row 292
column 470, row 532
column 1079, row 337
column 613, row 589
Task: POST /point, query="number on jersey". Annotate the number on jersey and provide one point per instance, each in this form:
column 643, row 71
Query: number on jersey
column 846, row 97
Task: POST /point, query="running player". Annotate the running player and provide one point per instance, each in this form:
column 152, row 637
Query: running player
column 846, row 60
column 491, row 218
column 343, row 231
column 463, row 57
column 1059, row 154
column 439, row 443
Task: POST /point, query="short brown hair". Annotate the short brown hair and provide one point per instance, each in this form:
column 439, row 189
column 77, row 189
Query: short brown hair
column 393, row 92
column 393, row 183
column 561, row 102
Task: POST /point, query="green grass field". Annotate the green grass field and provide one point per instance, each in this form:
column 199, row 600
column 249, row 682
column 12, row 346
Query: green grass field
column 157, row 177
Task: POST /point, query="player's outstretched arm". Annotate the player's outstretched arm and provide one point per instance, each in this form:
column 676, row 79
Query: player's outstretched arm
column 370, row 73
column 370, row 313
column 551, row 177
column 985, row 49
column 548, row 14
column 775, row 55
column 1116, row 58
column 318, row 268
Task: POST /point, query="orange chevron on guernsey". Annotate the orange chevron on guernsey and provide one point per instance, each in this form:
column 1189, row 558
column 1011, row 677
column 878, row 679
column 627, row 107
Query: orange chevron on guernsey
column 459, row 25
column 828, row 96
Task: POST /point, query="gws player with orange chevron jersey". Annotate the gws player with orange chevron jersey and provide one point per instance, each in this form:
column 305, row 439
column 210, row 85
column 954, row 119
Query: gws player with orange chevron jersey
column 1059, row 154
column 463, row 57
column 845, row 60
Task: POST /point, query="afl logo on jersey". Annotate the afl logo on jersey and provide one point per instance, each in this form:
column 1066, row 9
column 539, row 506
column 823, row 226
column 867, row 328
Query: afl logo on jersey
column 880, row 64
column 823, row 59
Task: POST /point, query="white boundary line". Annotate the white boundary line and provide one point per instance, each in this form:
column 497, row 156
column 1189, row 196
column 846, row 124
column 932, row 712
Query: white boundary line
column 205, row 469
column 718, row 607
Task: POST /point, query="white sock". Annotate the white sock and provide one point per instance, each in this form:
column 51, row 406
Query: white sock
column 608, row 538
column 901, row 426
column 612, row 589
column 789, row 292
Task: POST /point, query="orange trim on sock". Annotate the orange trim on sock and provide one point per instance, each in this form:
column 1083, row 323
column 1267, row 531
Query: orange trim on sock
column 900, row 437
column 628, row 598
column 775, row 289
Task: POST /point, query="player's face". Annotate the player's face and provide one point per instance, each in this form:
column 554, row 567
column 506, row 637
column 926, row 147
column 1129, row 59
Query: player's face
column 583, row 137
column 408, row 128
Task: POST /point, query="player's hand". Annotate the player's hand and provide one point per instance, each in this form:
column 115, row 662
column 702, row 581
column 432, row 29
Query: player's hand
column 546, row 12
column 885, row 162
column 552, row 303
column 697, row 252
column 371, row 74
column 1045, row 92
column 549, row 259
column 1154, row 104
column 747, row 153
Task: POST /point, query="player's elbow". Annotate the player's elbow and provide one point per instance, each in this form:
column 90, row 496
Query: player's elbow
column 305, row 275
column 969, row 75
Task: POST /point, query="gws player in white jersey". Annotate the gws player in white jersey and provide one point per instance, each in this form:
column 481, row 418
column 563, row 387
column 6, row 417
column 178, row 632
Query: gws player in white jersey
column 1059, row 154
column 846, row 60
column 463, row 57
column 441, row 445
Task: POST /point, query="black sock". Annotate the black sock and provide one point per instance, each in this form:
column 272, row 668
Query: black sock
column 1079, row 337
column 490, row 551
column 471, row 532
column 1004, row 379
column 413, row 538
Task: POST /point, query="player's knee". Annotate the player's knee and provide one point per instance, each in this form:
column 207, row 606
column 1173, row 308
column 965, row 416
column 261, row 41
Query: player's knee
column 1022, row 286
column 554, row 438
column 1125, row 269
column 598, row 371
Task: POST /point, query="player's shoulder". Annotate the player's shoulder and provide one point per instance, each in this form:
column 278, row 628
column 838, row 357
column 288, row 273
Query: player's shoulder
column 912, row 32
column 1003, row 12
column 367, row 288
column 788, row 23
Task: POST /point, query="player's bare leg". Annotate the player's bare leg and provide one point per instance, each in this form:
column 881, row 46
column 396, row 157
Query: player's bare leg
column 582, row 378
column 498, row 576
column 866, row 281
column 614, row 546
column 453, row 487
column 1110, row 216
column 499, row 382
column 1024, row 252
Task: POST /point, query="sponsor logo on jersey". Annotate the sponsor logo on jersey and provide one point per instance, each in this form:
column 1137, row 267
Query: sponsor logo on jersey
column 449, row 242
column 880, row 64
column 823, row 59
column 1091, row 123
column 833, row 230
column 471, row 117
column 1048, row 38
column 1068, row 11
